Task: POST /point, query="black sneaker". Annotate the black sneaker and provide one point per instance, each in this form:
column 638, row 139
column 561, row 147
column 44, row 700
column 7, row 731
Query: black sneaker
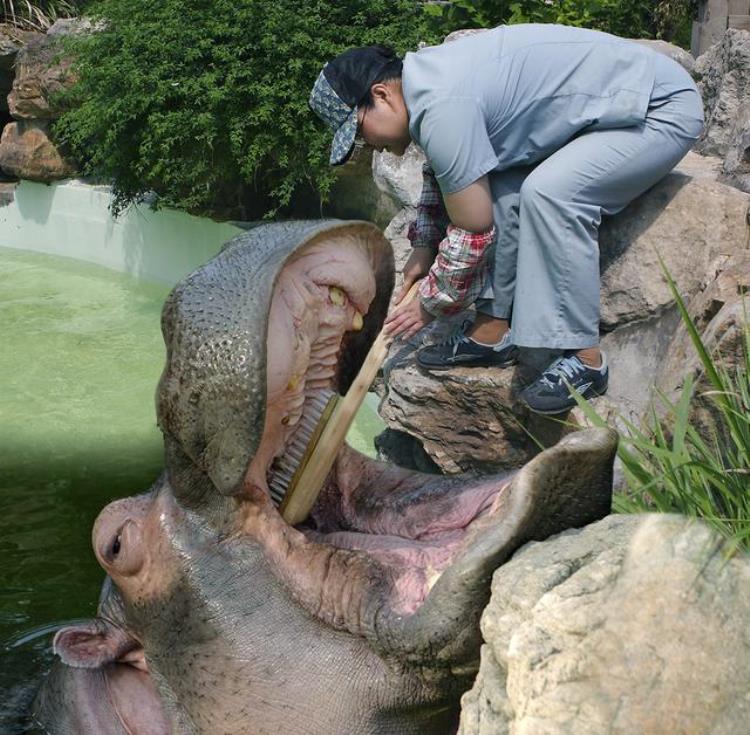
column 462, row 351
column 550, row 395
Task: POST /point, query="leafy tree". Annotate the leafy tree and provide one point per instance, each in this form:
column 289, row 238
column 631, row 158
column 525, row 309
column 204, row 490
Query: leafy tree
column 205, row 103
column 667, row 19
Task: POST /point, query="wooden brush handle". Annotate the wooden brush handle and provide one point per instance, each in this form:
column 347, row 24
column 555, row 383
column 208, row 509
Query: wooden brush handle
column 301, row 498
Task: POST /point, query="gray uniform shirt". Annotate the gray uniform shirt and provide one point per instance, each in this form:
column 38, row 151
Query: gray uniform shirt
column 513, row 95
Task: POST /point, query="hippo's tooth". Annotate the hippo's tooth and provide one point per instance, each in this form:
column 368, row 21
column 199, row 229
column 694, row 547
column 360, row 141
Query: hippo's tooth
column 357, row 321
column 337, row 295
column 293, row 383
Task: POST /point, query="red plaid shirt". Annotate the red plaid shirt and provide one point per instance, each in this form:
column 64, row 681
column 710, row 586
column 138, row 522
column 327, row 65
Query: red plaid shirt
column 456, row 278
column 457, row 275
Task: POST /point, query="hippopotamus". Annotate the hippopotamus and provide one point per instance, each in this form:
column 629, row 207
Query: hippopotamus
column 362, row 620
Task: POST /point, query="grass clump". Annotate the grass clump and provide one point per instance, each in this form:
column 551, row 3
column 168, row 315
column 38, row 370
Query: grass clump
column 671, row 467
column 38, row 15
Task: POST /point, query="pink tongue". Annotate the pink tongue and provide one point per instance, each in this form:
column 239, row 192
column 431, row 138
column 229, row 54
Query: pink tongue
column 416, row 559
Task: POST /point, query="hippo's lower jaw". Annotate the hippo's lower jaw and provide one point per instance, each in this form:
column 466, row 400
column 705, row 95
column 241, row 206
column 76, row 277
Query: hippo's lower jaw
column 404, row 559
column 114, row 698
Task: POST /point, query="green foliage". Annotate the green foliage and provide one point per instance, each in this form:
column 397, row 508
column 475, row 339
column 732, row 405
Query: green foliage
column 670, row 467
column 206, row 102
column 665, row 19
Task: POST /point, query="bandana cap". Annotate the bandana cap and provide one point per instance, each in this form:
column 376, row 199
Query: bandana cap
column 340, row 87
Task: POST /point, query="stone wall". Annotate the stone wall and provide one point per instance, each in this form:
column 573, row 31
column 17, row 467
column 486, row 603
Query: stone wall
column 714, row 17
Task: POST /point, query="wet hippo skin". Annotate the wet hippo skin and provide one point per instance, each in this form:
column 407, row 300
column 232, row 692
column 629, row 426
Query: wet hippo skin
column 364, row 619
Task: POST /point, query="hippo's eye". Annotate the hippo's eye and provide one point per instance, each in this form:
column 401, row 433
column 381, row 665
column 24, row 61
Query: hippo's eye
column 116, row 546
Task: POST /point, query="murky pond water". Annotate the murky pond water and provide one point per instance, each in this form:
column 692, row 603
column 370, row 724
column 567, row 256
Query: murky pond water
column 80, row 357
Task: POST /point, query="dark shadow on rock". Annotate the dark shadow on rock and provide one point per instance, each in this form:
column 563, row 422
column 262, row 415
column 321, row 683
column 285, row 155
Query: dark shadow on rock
column 618, row 232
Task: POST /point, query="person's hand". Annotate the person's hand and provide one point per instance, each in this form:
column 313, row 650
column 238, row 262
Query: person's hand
column 407, row 320
column 416, row 267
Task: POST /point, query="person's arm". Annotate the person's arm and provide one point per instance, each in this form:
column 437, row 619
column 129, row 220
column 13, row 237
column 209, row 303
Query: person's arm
column 426, row 232
column 453, row 134
column 456, row 276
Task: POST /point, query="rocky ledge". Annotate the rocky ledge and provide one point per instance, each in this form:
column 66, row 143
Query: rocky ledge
column 634, row 624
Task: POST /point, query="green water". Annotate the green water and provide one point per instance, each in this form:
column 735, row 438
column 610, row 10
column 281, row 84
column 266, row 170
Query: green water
column 80, row 358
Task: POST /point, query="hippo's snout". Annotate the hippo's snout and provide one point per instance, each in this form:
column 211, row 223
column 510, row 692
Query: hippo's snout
column 117, row 537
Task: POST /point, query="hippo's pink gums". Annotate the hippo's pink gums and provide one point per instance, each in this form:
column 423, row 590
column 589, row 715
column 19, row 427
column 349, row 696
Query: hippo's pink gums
column 363, row 620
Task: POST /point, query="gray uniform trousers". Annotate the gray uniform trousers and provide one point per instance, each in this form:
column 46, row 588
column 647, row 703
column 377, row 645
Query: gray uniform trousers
column 546, row 258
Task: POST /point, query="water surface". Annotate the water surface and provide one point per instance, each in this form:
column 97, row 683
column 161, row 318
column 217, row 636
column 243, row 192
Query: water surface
column 80, row 359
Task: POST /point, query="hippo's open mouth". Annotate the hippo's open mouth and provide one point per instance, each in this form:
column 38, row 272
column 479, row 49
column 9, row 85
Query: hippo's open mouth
column 411, row 526
column 402, row 528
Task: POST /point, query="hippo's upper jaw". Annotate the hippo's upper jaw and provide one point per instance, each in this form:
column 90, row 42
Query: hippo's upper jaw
column 252, row 336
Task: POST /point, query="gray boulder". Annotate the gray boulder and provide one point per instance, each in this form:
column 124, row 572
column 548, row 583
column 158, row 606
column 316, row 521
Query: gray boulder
column 723, row 77
column 634, row 624
column 736, row 167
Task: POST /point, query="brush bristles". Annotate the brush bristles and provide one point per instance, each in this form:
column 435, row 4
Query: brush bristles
column 290, row 463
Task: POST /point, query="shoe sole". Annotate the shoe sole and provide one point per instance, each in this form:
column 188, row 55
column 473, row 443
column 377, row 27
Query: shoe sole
column 558, row 411
column 480, row 363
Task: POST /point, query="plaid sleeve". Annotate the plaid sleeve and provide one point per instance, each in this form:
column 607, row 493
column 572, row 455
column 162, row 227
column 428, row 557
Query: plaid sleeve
column 432, row 219
column 456, row 278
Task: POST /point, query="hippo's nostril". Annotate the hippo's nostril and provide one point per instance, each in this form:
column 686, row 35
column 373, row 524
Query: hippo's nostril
column 116, row 546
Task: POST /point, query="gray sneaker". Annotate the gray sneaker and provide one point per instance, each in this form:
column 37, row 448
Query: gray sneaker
column 462, row 351
column 550, row 395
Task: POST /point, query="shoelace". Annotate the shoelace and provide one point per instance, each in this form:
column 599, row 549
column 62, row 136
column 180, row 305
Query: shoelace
column 456, row 337
column 563, row 367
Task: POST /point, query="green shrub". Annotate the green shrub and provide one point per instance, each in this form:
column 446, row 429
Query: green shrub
column 670, row 467
column 665, row 19
column 206, row 102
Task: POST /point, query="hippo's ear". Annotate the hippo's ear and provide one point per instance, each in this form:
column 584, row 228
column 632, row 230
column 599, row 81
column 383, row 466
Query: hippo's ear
column 92, row 644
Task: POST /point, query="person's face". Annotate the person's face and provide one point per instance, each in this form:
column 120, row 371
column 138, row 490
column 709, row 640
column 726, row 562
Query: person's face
column 385, row 125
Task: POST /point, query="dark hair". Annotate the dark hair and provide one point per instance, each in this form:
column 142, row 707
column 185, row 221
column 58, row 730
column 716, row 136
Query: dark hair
column 392, row 70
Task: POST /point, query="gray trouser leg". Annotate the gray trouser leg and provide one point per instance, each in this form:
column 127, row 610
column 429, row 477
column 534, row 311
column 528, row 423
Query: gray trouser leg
column 497, row 297
column 559, row 208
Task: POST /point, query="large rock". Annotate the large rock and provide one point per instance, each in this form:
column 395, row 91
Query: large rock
column 736, row 167
column 12, row 40
column 42, row 72
column 692, row 223
column 27, row 153
column 723, row 77
column 635, row 624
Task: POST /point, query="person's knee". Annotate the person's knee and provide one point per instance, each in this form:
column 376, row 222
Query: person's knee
column 539, row 190
column 693, row 127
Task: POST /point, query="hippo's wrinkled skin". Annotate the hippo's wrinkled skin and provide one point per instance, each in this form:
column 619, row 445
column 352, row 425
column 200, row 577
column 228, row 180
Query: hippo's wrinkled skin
column 363, row 620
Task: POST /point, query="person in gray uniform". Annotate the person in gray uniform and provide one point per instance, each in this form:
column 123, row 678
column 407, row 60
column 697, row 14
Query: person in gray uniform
column 531, row 133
